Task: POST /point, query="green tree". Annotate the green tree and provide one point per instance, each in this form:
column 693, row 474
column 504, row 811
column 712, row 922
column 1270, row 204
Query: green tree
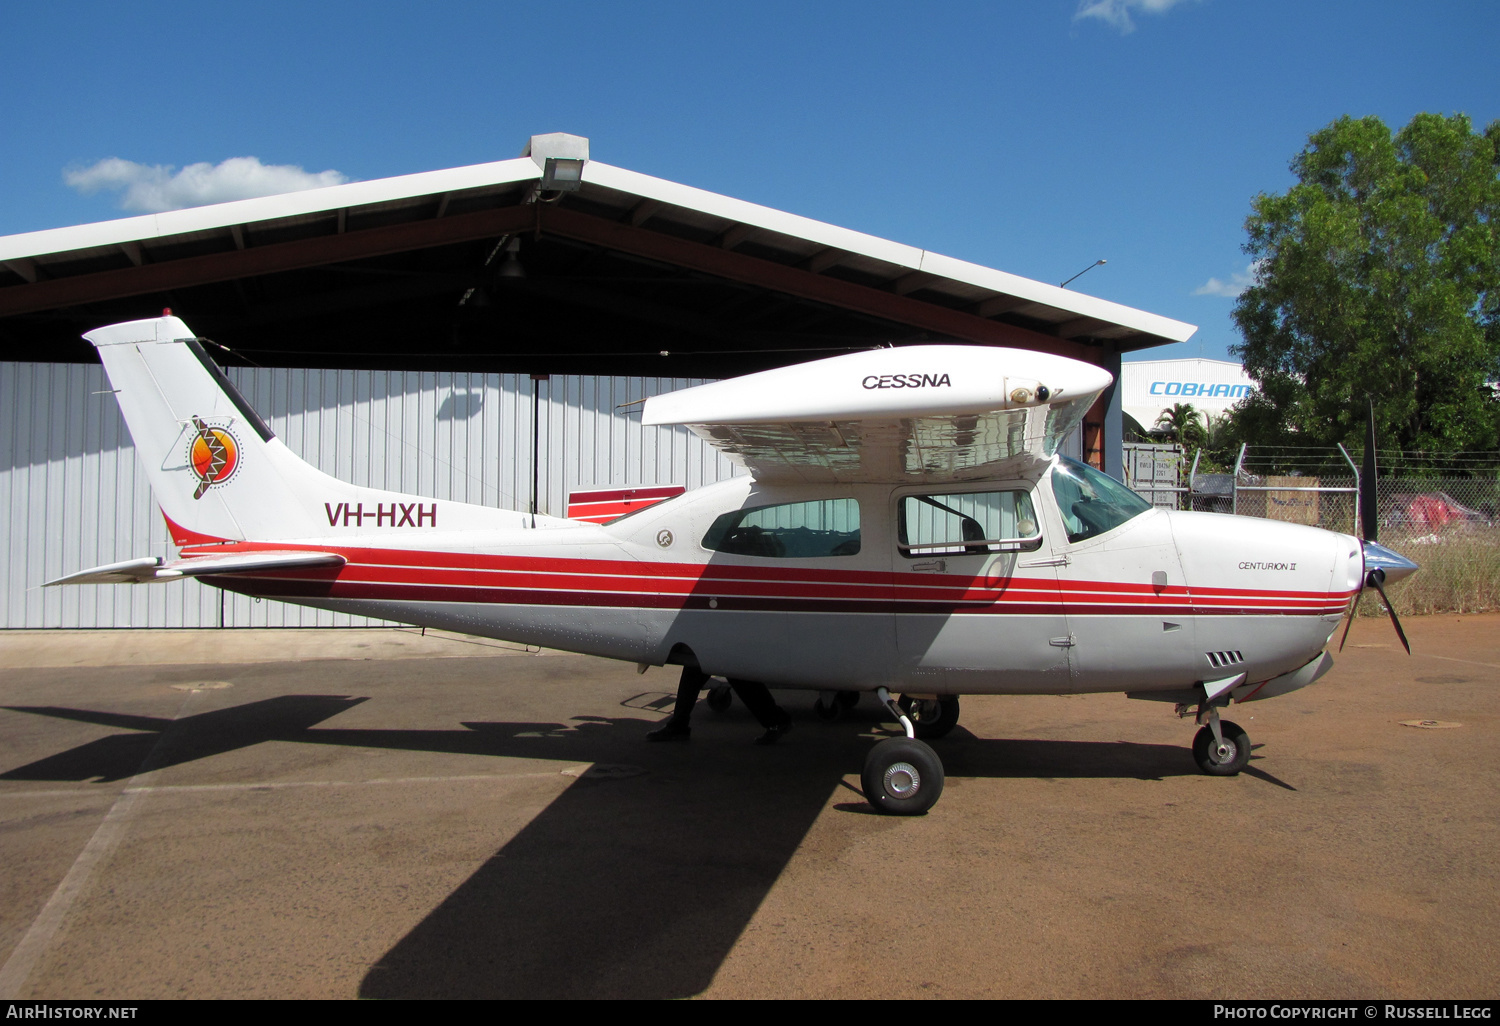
column 1181, row 424
column 1377, row 274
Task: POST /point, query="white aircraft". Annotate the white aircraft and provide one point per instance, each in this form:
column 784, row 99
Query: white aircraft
column 905, row 527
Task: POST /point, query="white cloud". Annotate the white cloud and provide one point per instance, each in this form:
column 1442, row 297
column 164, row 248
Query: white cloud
column 1117, row 12
column 1238, row 282
column 151, row 188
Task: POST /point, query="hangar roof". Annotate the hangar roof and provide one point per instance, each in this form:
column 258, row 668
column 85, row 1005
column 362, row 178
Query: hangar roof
column 480, row 267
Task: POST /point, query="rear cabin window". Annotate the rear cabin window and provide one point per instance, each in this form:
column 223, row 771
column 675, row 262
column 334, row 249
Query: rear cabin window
column 792, row 530
column 966, row 523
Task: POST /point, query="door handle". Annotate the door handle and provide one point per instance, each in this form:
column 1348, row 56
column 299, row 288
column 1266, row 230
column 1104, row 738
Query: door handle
column 1067, row 642
column 1049, row 561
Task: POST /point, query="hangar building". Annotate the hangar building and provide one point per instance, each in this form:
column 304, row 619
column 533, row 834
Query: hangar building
column 460, row 334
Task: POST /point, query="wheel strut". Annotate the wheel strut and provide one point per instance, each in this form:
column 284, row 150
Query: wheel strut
column 1208, row 714
column 884, row 695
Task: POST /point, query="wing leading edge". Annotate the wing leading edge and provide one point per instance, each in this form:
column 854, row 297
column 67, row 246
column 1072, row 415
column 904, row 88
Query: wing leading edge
column 921, row 413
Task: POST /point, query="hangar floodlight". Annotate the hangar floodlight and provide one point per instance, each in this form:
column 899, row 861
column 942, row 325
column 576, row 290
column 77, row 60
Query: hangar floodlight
column 562, row 174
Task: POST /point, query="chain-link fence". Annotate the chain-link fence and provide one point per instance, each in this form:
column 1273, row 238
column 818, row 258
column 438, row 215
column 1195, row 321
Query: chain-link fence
column 1447, row 524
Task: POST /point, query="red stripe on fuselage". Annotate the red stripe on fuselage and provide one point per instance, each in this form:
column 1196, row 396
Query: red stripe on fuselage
column 436, row 576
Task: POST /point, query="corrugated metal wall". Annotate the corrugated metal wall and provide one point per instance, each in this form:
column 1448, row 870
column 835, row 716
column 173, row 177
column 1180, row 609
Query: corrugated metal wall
column 72, row 496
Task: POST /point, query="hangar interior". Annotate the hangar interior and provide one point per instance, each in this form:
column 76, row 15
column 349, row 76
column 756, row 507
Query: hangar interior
column 364, row 308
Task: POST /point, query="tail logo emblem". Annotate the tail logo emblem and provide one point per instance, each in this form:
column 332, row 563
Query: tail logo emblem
column 214, row 455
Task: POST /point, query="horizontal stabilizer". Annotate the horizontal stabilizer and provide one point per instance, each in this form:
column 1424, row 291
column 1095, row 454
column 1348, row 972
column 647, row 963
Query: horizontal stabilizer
column 153, row 568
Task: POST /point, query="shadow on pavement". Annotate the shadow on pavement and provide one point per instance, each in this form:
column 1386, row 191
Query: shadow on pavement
column 188, row 739
column 634, row 883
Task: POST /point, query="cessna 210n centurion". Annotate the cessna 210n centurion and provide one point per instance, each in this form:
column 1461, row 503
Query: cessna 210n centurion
column 905, row 527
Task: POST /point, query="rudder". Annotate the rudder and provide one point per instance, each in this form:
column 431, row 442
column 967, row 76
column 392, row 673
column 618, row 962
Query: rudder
column 215, row 466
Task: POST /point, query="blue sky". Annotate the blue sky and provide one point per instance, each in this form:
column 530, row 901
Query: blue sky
column 1033, row 136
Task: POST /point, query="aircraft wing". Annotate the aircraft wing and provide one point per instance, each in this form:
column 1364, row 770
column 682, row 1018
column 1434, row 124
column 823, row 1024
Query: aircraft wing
column 153, row 568
column 921, row 413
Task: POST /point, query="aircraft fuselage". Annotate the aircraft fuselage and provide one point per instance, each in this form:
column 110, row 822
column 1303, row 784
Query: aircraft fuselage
column 1158, row 603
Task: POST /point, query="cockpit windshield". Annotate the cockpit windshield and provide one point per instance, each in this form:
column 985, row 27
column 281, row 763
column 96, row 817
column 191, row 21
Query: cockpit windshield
column 1090, row 502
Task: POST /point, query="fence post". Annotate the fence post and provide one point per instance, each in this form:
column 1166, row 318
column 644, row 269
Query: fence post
column 1358, row 494
column 1234, row 485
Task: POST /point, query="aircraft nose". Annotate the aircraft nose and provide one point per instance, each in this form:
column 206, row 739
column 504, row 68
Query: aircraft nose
column 1395, row 565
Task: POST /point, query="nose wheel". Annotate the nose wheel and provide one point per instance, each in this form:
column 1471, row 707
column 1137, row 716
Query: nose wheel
column 1222, row 752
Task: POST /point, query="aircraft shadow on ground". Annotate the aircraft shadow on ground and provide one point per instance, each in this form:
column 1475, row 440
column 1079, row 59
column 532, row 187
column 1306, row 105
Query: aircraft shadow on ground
column 633, row 883
column 161, row 742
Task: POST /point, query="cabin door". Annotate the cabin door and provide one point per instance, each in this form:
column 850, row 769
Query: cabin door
column 976, row 593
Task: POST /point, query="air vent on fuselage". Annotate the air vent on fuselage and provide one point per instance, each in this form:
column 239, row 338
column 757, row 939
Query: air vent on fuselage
column 1217, row 659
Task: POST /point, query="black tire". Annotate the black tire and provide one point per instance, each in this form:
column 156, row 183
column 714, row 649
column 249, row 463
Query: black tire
column 1225, row 764
column 902, row 777
column 848, row 699
column 931, row 719
column 720, row 698
column 828, row 712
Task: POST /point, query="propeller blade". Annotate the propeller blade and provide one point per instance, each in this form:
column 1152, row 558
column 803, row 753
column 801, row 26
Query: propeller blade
column 1369, row 511
column 1375, row 580
column 1352, row 614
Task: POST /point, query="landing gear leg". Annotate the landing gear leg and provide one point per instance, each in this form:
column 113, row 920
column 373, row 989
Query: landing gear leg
column 1221, row 748
column 902, row 776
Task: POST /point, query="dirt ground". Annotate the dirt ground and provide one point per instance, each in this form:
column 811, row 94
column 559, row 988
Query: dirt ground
column 383, row 814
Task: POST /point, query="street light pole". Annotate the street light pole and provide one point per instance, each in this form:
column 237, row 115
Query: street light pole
column 1081, row 273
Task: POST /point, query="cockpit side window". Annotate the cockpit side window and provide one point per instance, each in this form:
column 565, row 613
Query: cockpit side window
column 966, row 523
column 792, row 530
column 1090, row 502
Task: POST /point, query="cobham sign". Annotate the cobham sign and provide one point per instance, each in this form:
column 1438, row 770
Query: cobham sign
column 1209, row 386
column 1203, row 388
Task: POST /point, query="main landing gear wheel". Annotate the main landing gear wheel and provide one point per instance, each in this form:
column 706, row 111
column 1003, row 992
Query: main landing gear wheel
column 1222, row 759
column 720, row 698
column 932, row 718
column 902, row 777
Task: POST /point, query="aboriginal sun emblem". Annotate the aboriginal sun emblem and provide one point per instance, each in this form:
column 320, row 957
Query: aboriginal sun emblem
column 214, row 455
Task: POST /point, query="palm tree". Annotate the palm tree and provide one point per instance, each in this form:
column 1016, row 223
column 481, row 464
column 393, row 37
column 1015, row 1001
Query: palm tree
column 1181, row 424
column 1214, row 429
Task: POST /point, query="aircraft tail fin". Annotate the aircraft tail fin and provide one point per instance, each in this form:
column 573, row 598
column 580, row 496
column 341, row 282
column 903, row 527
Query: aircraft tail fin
column 220, row 474
column 218, row 471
